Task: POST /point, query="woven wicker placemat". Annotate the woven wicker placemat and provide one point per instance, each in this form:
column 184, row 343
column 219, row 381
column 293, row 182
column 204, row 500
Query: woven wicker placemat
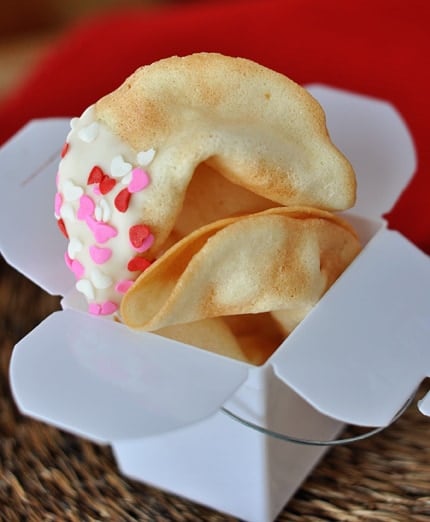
column 48, row 475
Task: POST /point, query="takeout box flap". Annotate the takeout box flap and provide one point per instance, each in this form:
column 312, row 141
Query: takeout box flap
column 374, row 137
column 363, row 350
column 113, row 383
column 29, row 238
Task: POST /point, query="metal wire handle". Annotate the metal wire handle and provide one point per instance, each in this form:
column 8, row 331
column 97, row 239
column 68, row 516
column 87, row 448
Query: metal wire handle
column 311, row 442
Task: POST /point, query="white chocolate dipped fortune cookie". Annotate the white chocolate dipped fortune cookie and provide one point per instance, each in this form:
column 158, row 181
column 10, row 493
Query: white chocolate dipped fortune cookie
column 183, row 143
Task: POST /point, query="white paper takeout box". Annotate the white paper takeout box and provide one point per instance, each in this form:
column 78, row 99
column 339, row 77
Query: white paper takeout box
column 356, row 358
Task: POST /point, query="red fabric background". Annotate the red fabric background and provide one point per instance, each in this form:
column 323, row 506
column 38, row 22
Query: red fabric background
column 376, row 47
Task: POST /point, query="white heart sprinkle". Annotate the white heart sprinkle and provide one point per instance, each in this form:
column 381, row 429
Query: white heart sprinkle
column 67, row 212
column 71, row 191
column 100, row 279
column 103, row 211
column 145, row 157
column 73, row 123
column 74, row 247
column 85, row 287
column 90, row 132
column 127, row 178
column 119, row 168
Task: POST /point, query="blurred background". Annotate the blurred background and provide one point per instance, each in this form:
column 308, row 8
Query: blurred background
column 28, row 27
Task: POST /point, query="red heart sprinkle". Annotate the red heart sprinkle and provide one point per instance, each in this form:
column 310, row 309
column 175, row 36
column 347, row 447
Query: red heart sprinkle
column 122, row 200
column 62, row 227
column 138, row 264
column 106, row 184
column 138, row 234
column 64, row 149
column 95, row 176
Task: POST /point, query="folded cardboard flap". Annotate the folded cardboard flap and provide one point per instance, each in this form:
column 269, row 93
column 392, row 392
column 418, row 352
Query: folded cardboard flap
column 29, row 163
column 116, row 383
column 363, row 351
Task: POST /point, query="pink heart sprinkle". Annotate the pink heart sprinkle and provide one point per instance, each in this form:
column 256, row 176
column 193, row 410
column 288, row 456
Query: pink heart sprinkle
column 139, row 180
column 78, row 269
column 86, row 207
column 108, row 308
column 100, row 255
column 102, row 231
column 123, row 286
column 94, row 308
column 58, row 203
column 74, row 265
column 67, row 260
column 146, row 245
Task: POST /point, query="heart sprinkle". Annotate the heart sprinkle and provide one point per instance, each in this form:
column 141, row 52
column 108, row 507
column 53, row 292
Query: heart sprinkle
column 123, row 286
column 75, row 246
column 106, row 308
column 65, row 149
column 57, row 204
column 146, row 245
column 75, row 266
column 95, row 176
column 62, row 227
column 119, row 167
column 89, row 133
column 100, row 255
column 122, row 200
column 138, row 264
column 73, row 123
column 106, row 184
column 71, row 191
column 86, row 208
column 139, row 180
column 138, row 234
column 85, row 287
column 67, row 212
column 94, row 309
column 102, row 231
column 126, row 179
column 67, row 260
column 103, row 211
column 145, row 157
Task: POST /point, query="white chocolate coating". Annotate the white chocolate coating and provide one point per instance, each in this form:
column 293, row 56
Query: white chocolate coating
column 105, row 233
